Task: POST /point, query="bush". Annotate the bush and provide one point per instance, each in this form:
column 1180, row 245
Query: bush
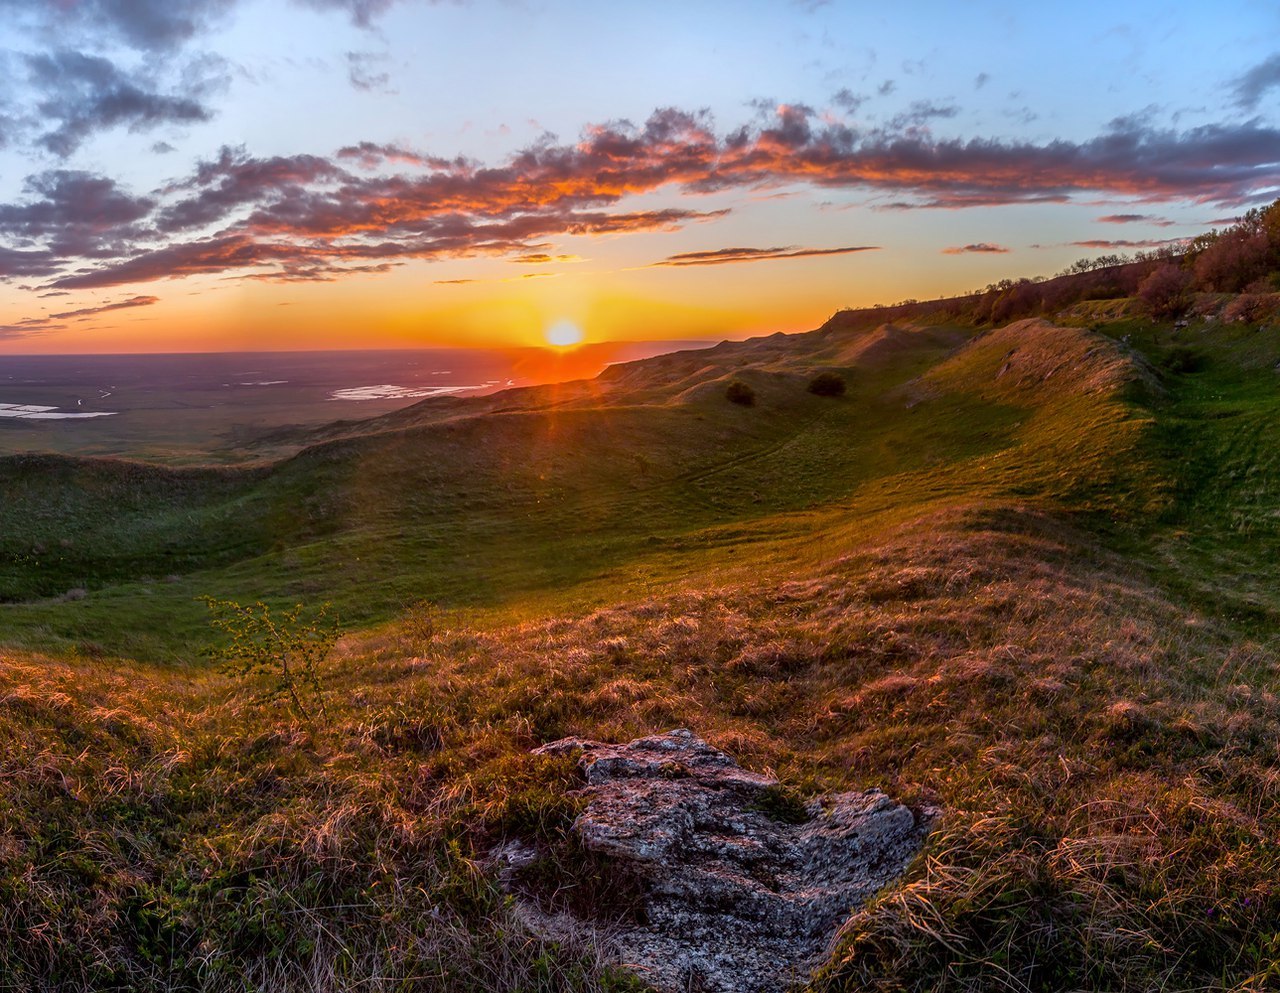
column 1180, row 358
column 827, row 384
column 1166, row 292
column 1250, row 307
column 285, row 647
column 739, row 392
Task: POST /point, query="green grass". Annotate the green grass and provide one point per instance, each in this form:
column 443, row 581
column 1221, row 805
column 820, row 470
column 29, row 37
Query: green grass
column 486, row 511
column 1030, row 581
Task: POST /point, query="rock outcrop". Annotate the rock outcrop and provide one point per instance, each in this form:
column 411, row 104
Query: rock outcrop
column 743, row 886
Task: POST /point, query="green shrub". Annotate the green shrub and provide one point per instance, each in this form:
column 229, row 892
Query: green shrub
column 739, row 392
column 286, row 647
column 1180, row 358
column 827, row 384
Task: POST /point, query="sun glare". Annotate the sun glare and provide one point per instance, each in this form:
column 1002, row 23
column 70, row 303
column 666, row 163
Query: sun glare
column 562, row 334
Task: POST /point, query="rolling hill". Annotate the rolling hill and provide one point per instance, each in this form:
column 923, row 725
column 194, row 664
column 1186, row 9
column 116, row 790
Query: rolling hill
column 1024, row 573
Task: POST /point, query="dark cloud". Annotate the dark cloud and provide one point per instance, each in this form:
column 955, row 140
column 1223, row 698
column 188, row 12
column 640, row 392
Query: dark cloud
column 17, row 262
column 150, row 25
column 69, row 213
column 887, row 87
column 848, row 101
column 981, row 80
column 156, row 26
column 87, row 93
column 980, row 248
column 1250, row 86
column 725, row 256
column 454, row 282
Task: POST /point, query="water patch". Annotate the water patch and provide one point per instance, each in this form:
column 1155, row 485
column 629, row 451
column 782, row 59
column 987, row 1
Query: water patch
column 388, row 392
column 35, row 412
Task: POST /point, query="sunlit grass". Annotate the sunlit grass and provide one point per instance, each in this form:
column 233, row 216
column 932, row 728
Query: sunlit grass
column 1039, row 597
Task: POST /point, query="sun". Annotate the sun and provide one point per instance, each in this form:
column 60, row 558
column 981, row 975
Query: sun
column 562, row 334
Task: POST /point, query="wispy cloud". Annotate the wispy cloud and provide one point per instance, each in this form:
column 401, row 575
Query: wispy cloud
column 1250, row 86
column 542, row 258
column 50, row 322
column 1125, row 242
column 1155, row 219
column 979, row 248
column 138, row 301
column 725, row 256
column 364, row 73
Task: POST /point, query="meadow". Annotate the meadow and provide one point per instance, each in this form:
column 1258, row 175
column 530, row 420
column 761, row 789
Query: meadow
column 1021, row 572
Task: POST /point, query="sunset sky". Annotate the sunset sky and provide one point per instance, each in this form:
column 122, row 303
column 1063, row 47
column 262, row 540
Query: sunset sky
column 280, row 174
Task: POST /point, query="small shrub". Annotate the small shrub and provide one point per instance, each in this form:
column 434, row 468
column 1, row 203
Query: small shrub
column 827, row 384
column 1180, row 358
column 286, row 647
column 740, row 393
column 421, row 621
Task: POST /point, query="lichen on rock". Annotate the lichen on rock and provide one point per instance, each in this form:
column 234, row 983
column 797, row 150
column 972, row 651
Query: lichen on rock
column 743, row 887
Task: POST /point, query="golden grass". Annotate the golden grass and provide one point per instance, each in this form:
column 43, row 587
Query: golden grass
column 1105, row 758
column 1106, row 765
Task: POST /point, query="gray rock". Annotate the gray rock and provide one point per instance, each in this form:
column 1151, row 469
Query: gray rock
column 738, row 897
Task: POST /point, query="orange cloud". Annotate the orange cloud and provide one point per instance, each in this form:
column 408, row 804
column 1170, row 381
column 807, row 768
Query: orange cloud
column 307, row 217
column 725, row 256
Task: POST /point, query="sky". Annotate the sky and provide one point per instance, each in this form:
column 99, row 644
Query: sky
column 225, row 175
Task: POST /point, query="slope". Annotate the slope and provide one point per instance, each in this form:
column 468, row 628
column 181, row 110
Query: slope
column 561, row 493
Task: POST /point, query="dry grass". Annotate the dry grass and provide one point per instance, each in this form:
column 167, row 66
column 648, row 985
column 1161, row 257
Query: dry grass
column 1107, row 764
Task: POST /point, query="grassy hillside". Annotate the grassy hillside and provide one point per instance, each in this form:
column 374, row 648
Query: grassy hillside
column 591, row 490
column 1026, row 574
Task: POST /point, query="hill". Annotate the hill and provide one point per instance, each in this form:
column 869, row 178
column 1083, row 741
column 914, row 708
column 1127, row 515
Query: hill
column 1020, row 573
